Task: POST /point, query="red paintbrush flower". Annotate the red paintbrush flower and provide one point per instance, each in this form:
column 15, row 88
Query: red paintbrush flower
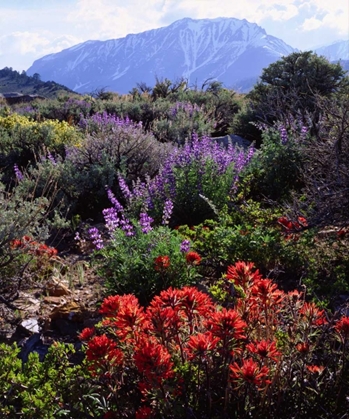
column 161, row 262
column 101, row 348
column 267, row 292
column 86, row 334
column 265, row 349
column 243, row 274
column 195, row 302
column 303, row 347
column 313, row 314
column 200, row 345
column 315, row 369
column 153, row 361
column 193, row 258
column 112, row 304
column 342, row 326
column 250, row 372
column 16, row 243
column 226, row 324
column 130, row 322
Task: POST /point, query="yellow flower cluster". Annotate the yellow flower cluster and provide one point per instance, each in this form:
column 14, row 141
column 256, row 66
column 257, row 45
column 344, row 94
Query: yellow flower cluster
column 60, row 131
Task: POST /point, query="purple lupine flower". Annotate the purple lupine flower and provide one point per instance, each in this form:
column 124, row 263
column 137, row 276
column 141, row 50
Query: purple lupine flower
column 250, row 154
column 18, row 173
column 283, row 134
column 185, row 246
column 96, row 237
column 200, row 155
column 167, row 212
column 115, row 202
column 145, row 222
column 111, row 219
column 124, row 188
column 127, row 227
column 304, row 132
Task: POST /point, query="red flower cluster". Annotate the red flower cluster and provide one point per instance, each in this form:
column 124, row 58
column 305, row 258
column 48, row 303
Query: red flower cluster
column 162, row 262
column 102, row 350
column 153, row 361
column 184, row 343
column 291, row 228
column 342, row 327
column 201, row 345
column 33, row 247
column 250, row 372
column 193, row 258
column 265, row 349
column 312, row 314
column 242, row 274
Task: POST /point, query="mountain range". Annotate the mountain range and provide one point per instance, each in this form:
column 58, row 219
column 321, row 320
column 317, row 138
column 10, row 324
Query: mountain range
column 229, row 50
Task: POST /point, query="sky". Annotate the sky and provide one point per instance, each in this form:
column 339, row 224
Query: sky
column 31, row 29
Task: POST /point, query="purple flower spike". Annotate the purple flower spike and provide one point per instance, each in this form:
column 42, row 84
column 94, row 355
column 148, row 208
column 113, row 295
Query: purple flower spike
column 96, row 238
column 145, row 222
column 185, row 246
column 167, row 212
column 18, row 173
column 111, row 219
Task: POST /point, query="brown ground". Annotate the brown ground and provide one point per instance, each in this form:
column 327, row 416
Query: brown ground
column 54, row 306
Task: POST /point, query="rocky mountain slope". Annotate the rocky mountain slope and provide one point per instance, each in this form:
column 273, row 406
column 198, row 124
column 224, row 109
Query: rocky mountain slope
column 230, row 50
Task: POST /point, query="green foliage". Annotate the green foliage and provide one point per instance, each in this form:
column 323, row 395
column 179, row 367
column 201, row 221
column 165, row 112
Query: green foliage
column 52, row 388
column 180, row 121
column 13, row 81
column 275, row 169
column 107, row 150
column 222, row 241
column 290, row 87
column 22, row 140
column 20, row 216
column 128, row 263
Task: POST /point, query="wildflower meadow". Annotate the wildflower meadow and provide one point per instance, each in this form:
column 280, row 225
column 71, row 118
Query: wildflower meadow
column 222, row 269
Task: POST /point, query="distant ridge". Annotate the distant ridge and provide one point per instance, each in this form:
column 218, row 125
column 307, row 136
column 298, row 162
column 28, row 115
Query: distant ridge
column 13, row 83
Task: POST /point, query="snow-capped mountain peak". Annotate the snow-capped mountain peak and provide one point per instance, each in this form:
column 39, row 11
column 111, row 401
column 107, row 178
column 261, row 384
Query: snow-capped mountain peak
column 230, row 50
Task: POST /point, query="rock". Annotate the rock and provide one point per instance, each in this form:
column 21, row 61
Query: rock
column 54, row 300
column 31, row 325
column 28, row 303
column 233, row 139
column 55, row 287
column 71, row 311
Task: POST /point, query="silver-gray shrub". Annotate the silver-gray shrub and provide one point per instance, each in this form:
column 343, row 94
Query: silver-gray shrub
column 111, row 146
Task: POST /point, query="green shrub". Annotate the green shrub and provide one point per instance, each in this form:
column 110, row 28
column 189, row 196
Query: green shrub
column 145, row 260
column 23, row 140
column 275, row 169
column 52, row 388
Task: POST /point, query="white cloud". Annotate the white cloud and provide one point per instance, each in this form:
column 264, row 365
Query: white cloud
column 22, row 48
column 311, row 24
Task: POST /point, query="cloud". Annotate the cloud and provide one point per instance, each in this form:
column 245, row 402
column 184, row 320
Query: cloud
column 20, row 49
column 311, row 24
column 103, row 19
column 278, row 12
